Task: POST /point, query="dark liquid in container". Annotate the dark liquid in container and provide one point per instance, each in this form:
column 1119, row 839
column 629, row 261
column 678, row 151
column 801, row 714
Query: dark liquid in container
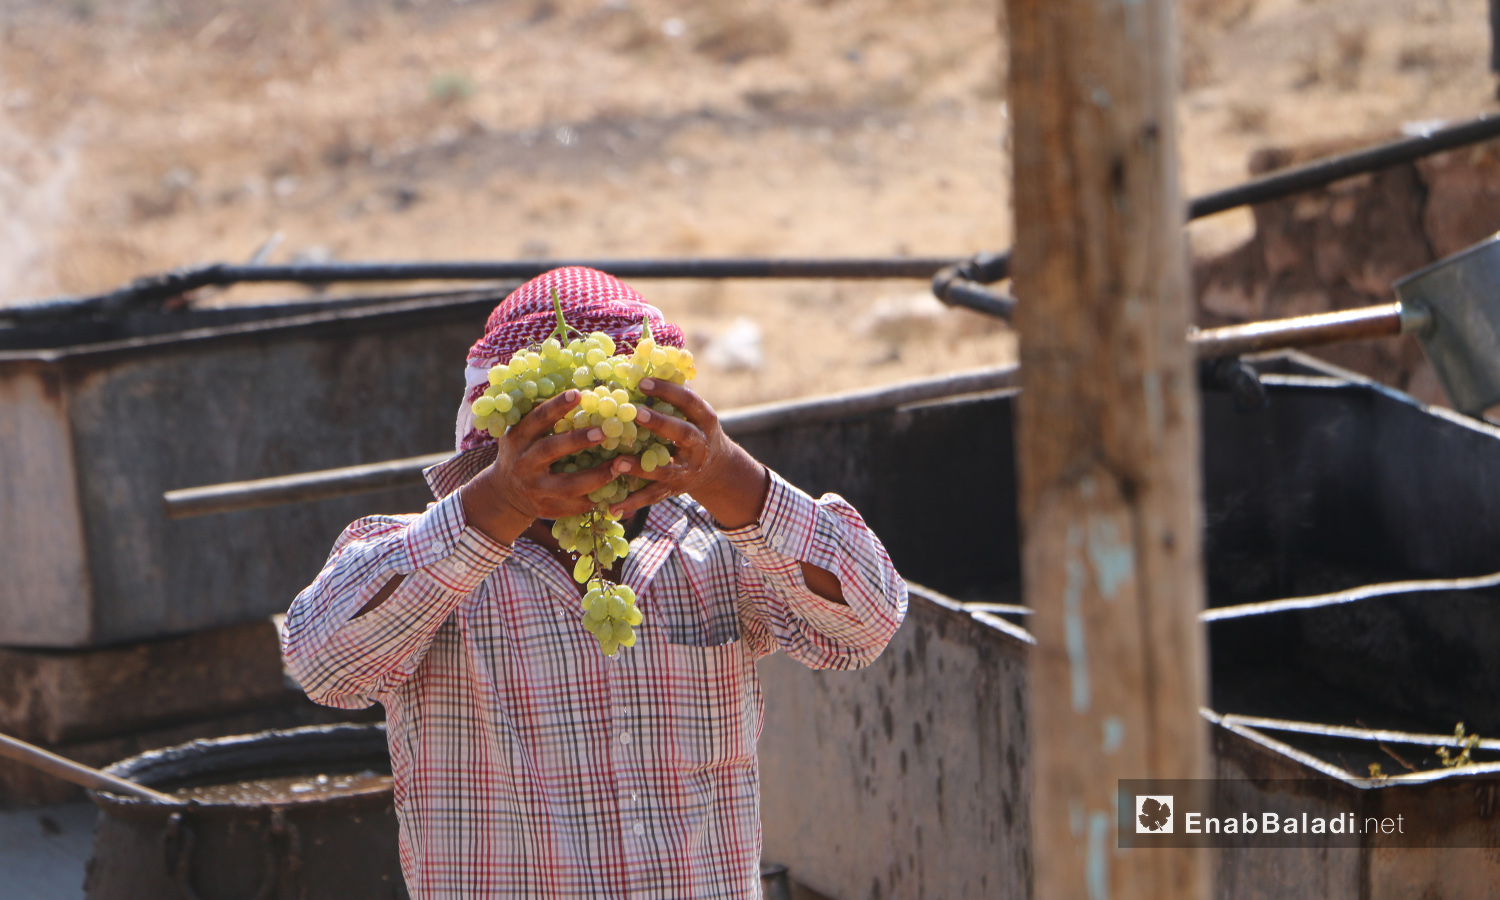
column 286, row 788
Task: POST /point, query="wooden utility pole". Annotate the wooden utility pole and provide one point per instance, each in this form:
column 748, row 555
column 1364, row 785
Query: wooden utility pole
column 1108, row 437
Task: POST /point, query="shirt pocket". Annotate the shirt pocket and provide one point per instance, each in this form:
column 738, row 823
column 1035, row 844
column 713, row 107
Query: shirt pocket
column 708, row 697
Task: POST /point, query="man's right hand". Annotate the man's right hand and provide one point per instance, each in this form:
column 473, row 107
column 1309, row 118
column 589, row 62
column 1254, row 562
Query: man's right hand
column 520, row 487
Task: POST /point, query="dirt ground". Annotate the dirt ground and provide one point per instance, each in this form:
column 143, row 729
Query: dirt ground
column 138, row 135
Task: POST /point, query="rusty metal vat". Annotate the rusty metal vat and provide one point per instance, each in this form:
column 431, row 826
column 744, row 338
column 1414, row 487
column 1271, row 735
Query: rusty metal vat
column 99, row 417
column 1338, row 483
column 342, row 846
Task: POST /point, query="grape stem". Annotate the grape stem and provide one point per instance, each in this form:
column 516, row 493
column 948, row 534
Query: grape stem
column 563, row 329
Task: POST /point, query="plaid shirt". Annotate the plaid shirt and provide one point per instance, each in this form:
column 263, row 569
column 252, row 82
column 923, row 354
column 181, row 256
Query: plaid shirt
column 526, row 763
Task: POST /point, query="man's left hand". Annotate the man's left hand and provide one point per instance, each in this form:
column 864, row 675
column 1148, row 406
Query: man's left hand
column 719, row 474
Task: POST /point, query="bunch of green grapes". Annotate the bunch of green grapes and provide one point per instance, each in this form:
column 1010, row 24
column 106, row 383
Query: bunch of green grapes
column 609, row 399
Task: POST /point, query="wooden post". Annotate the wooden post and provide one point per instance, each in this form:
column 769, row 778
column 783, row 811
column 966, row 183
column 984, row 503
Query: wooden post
column 1108, row 437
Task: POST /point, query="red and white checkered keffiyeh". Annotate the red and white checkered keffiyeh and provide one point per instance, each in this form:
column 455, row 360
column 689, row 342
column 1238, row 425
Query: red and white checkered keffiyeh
column 591, row 301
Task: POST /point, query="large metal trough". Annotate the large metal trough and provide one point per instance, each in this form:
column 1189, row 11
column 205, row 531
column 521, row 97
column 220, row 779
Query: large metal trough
column 98, row 418
column 909, row 778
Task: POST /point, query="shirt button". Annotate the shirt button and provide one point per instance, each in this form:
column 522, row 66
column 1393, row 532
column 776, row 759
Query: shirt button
column 776, row 541
column 639, row 828
column 460, row 567
column 625, row 737
column 436, row 547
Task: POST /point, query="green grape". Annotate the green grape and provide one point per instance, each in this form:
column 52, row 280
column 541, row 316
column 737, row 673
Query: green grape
column 583, row 569
column 610, row 399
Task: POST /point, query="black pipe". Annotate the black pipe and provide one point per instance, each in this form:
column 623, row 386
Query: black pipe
column 159, row 287
column 1278, row 184
column 988, row 268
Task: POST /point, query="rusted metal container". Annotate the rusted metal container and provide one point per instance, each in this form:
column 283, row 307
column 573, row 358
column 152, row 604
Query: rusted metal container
column 1338, row 483
column 99, row 418
column 333, row 847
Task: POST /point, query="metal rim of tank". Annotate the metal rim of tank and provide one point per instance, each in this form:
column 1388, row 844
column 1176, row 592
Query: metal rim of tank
column 320, row 748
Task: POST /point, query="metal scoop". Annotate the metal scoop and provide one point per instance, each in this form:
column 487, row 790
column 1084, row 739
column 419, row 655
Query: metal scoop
column 1452, row 306
column 1460, row 298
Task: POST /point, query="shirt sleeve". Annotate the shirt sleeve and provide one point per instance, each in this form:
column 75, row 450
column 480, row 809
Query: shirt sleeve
column 778, row 611
column 349, row 662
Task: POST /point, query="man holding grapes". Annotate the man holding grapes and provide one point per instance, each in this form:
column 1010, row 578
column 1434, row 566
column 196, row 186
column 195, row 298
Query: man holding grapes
column 526, row 762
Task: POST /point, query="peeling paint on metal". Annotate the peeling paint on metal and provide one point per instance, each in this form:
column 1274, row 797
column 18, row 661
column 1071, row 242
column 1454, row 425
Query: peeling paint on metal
column 1113, row 558
column 1078, row 660
column 1096, row 873
column 1114, row 733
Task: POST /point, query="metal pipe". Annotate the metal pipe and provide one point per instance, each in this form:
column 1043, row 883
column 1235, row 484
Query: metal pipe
column 159, row 287
column 1294, row 180
column 955, row 289
column 79, row 774
column 400, row 473
column 1386, row 320
column 988, row 268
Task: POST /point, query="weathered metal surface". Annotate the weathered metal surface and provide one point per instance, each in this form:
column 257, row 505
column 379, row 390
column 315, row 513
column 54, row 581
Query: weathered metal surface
column 1336, row 484
column 897, row 468
column 907, row 778
column 351, row 480
column 1463, row 342
column 99, row 431
column 63, row 696
column 1455, row 812
column 330, row 847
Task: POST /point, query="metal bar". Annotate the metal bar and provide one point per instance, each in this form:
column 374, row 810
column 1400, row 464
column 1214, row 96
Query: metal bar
column 1275, row 185
column 951, row 287
column 1300, row 331
column 1365, row 592
column 304, row 488
column 400, row 473
column 155, row 288
column 989, row 268
column 77, row 773
column 1367, row 734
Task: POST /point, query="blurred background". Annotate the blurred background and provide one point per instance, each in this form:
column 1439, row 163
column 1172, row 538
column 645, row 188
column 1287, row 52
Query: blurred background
column 140, row 135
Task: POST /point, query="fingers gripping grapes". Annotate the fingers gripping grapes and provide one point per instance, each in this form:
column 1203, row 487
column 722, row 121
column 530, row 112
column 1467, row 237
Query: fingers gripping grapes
column 577, row 437
column 699, row 441
column 522, row 476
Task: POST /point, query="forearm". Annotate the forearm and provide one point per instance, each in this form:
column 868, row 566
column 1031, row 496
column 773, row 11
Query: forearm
column 796, row 532
column 370, row 614
column 736, row 499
